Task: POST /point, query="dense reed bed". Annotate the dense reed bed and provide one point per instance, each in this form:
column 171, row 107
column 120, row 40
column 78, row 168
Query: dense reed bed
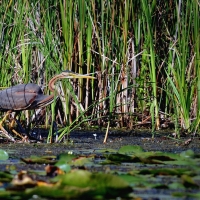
column 144, row 54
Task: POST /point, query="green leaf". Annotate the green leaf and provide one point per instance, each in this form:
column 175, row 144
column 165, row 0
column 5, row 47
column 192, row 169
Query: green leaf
column 66, row 157
column 5, row 177
column 188, row 182
column 187, row 154
column 102, row 183
column 63, row 166
column 118, row 158
column 82, row 160
column 40, row 160
column 81, row 184
column 164, row 171
column 176, row 186
column 130, row 149
column 3, row 155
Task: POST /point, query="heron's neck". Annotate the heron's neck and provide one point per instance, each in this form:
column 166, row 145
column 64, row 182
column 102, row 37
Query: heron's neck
column 52, row 83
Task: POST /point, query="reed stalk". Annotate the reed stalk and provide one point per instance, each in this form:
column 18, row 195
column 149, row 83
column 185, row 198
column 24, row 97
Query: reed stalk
column 152, row 65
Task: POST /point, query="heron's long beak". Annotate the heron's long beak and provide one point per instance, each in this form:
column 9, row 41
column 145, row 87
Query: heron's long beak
column 69, row 74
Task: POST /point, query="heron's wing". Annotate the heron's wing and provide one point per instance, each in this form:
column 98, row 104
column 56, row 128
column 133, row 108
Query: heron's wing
column 19, row 97
column 42, row 101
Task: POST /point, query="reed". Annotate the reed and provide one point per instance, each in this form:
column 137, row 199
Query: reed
column 145, row 56
column 148, row 11
column 180, row 74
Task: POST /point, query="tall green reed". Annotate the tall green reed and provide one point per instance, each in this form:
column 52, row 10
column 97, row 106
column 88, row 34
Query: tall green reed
column 196, row 38
column 148, row 11
column 181, row 74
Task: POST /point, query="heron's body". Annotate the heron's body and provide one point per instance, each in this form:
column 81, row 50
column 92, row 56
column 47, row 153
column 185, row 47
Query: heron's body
column 30, row 96
column 24, row 97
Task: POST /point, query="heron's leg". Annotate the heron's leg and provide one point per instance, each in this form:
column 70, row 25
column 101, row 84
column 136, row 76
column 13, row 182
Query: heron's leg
column 12, row 125
column 2, row 128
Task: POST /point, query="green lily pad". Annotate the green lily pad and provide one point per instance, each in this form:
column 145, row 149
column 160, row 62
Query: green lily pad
column 5, row 177
column 118, row 158
column 130, row 149
column 188, row 182
column 40, row 160
column 187, row 154
column 3, row 155
column 80, row 184
column 82, row 160
column 165, row 172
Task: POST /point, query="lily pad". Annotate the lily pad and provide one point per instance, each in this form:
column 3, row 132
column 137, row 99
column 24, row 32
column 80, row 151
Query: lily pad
column 80, row 184
column 40, row 160
column 3, row 155
column 130, row 149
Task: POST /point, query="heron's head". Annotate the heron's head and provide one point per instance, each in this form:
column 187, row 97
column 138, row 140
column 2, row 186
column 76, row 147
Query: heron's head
column 66, row 74
column 69, row 74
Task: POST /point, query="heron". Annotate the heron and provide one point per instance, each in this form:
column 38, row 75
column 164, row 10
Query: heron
column 30, row 96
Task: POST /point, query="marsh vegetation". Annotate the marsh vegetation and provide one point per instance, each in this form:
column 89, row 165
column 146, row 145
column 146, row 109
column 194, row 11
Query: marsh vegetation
column 144, row 55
